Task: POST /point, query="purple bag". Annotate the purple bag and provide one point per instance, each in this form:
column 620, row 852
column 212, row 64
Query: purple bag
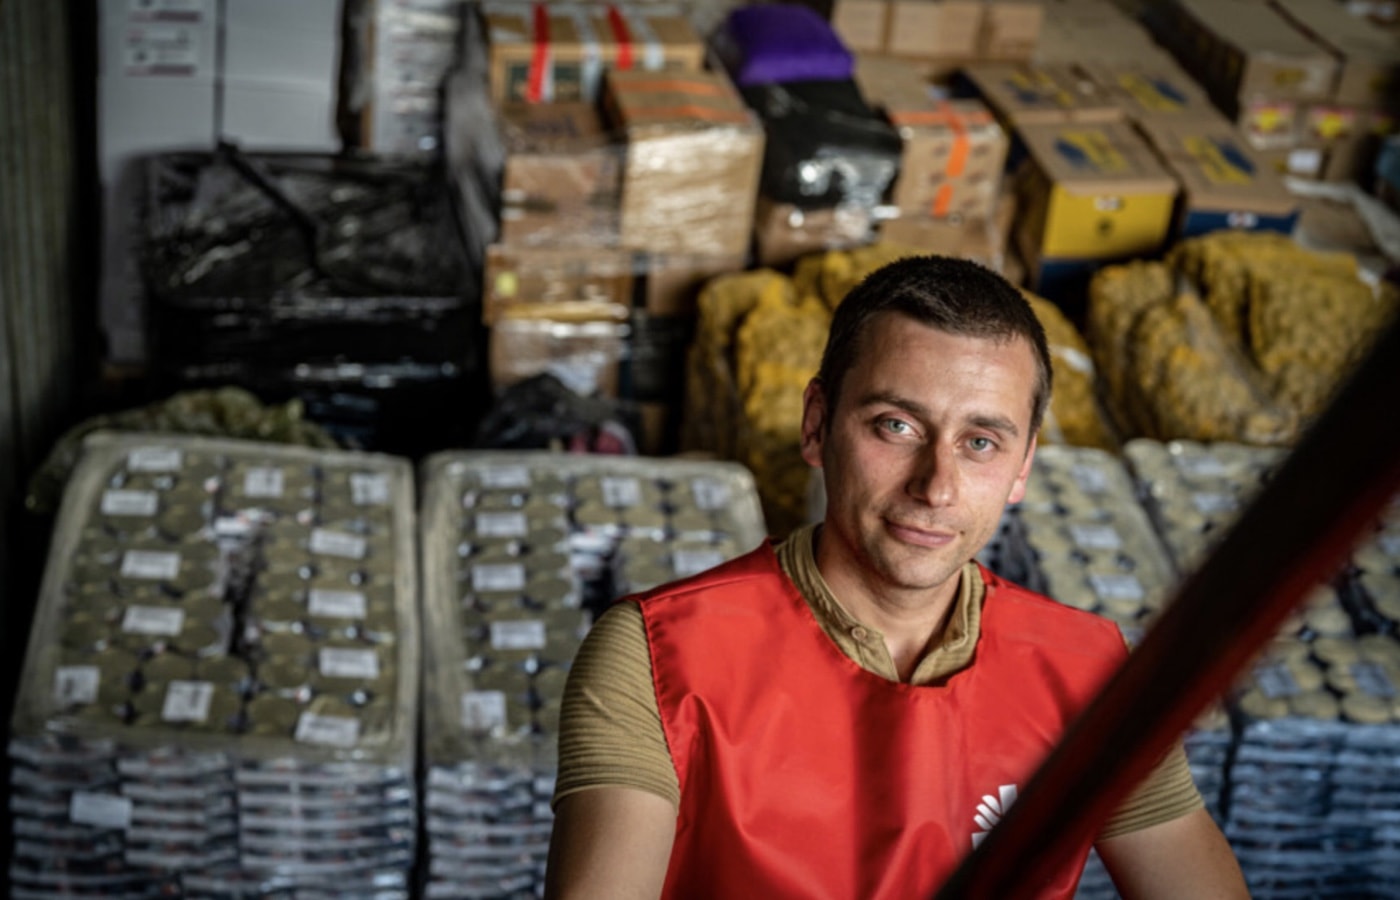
column 781, row 42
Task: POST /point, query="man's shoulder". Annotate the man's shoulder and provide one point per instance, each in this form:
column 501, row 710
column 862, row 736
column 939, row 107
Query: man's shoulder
column 759, row 567
column 1018, row 610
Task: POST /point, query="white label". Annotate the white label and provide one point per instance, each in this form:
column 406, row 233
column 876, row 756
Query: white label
column 161, row 50
column 154, row 459
column 150, row 564
column 1095, row 537
column 75, row 684
column 506, row 477
column 1373, row 679
column 167, row 10
column 619, row 492
column 129, row 503
column 691, row 562
column 337, row 543
column 1090, row 479
column 1209, row 503
column 709, row 494
column 157, row 620
column 187, row 701
column 1201, row 466
column 99, row 810
column 522, row 634
column 1390, row 543
column 501, row 524
column 369, row 490
column 498, row 577
column 344, row 662
column 266, row 482
column 328, row 731
column 336, row 604
column 483, row 710
column 1304, row 162
column 1116, row 587
column 1275, row 680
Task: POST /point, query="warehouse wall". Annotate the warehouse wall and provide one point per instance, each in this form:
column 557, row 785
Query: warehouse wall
column 39, row 356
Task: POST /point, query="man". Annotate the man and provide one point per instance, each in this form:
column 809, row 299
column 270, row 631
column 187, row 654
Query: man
column 830, row 718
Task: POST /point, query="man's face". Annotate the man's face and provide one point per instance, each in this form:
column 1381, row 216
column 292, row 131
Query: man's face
column 928, row 440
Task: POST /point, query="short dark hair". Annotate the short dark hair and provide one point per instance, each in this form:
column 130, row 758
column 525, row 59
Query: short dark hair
column 957, row 296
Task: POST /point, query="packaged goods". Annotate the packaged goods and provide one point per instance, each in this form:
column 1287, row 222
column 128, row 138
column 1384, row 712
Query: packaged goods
column 559, row 52
column 596, row 281
column 1115, row 37
column 983, row 240
column 521, row 551
column 1010, row 29
column 936, row 29
column 691, row 173
column 1033, row 94
column 405, row 52
column 778, row 43
column 1147, row 92
column 1074, row 416
column 1368, row 58
column 784, row 231
column 861, row 24
column 225, row 625
column 825, row 145
column 582, row 348
column 1224, row 184
column 954, row 154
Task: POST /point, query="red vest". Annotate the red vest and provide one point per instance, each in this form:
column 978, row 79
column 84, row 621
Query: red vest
column 804, row 775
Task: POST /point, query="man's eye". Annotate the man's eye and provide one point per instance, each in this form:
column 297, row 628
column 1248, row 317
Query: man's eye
column 895, row 426
column 982, row 444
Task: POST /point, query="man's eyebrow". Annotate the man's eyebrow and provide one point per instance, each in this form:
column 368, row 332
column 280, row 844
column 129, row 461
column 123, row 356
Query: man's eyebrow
column 913, row 407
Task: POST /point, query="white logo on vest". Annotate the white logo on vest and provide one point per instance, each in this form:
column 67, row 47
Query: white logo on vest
column 990, row 811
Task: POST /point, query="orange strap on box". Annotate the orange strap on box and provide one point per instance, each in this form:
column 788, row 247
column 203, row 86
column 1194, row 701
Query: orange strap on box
column 686, row 111
column 623, row 36
column 539, row 59
column 942, row 200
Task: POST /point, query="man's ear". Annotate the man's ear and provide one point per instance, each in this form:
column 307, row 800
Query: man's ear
column 814, row 422
column 1018, row 489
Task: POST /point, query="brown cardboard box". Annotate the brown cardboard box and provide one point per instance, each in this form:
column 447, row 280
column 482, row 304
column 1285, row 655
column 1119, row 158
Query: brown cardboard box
column 1010, row 29
column 673, row 282
column 1300, row 162
column 783, row 232
column 1254, row 51
column 934, row 29
column 1224, row 184
column 1070, row 26
column 1270, row 124
column 1152, row 91
column 1368, row 56
column 559, row 51
column 562, row 181
column 1036, row 95
column 584, row 354
column 1091, row 192
column 861, row 24
column 954, row 153
column 887, row 81
column 983, row 240
column 593, row 279
column 694, row 152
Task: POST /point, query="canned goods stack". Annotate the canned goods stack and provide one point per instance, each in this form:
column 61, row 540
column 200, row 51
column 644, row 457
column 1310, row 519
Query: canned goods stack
column 220, row 686
column 520, row 551
column 1375, row 572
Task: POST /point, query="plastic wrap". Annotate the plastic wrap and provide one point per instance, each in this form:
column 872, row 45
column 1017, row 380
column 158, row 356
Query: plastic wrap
column 584, row 354
column 312, row 277
column 412, row 45
column 227, row 631
column 693, row 158
column 520, row 551
column 825, row 144
column 784, row 231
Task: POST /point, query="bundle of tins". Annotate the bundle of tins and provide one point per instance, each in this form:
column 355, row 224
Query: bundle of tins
column 759, row 340
column 521, row 551
column 1236, row 337
column 1081, row 537
column 1307, row 807
column 219, row 691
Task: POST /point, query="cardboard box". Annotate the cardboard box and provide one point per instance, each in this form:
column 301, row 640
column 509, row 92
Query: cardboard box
column 1070, row 27
column 1254, row 51
column 694, row 154
column 886, row 81
column 934, row 29
column 1300, row 162
column 1223, row 183
column 584, row 355
column 672, row 283
column 861, row 24
column 1041, row 95
column 1152, row 91
column 983, row 240
column 597, row 280
column 559, row 51
column 1091, row 192
column 783, row 232
column 1010, row 30
column 954, row 153
column 562, row 179
column 1368, row 57
column 1270, row 124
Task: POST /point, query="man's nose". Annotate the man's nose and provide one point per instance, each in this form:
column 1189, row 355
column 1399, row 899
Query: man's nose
column 935, row 477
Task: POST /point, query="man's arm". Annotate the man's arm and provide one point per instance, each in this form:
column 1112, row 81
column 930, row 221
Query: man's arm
column 1184, row 857
column 610, row 843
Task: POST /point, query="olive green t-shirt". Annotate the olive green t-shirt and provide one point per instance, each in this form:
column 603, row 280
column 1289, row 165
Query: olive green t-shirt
column 610, row 726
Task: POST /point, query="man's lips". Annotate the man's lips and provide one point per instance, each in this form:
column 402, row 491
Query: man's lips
column 919, row 535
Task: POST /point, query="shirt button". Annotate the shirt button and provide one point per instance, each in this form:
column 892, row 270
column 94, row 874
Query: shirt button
column 859, row 633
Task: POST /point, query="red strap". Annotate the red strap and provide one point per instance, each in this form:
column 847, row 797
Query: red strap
column 539, row 60
column 623, row 36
